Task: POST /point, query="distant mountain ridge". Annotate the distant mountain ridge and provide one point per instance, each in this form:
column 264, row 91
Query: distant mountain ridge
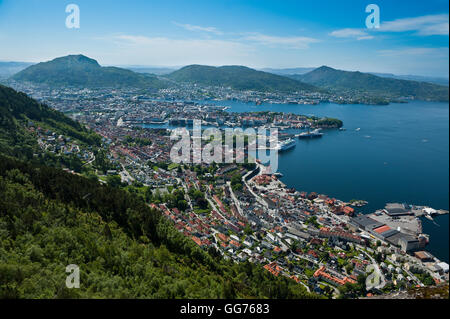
column 338, row 80
column 81, row 71
column 239, row 78
column 411, row 77
column 417, row 78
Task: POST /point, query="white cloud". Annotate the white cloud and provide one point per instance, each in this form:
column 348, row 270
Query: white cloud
column 425, row 25
column 351, row 33
column 366, row 37
column 435, row 52
column 268, row 40
column 173, row 51
column 191, row 27
column 276, row 41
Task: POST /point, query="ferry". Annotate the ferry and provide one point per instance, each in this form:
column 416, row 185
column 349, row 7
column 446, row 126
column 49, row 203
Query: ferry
column 313, row 134
column 286, row 145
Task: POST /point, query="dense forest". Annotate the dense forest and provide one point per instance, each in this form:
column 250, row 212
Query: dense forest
column 17, row 111
column 329, row 122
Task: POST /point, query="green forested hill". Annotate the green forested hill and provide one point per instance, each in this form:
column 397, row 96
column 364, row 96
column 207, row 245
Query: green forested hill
column 337, row 80
column 50, row 218
column 17, row 110
column 239, row 78
column 81, row 71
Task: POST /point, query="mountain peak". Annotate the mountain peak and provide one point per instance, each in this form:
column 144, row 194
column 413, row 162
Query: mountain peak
column 77, row 59
column 325, row 68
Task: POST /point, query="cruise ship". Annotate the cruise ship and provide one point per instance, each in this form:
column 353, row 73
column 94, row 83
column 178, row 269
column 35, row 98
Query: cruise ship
column 313, row 134
column 286, row 145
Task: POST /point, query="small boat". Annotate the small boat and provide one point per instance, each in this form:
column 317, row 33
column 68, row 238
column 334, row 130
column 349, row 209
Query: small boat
column 358, row 129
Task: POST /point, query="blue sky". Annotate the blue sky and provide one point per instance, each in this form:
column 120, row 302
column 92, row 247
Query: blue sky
column 413, row 37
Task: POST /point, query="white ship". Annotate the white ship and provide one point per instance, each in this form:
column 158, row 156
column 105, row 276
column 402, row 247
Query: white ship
column 286, row 145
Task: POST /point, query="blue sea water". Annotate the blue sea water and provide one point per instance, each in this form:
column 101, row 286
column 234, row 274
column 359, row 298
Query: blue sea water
column 400, row 154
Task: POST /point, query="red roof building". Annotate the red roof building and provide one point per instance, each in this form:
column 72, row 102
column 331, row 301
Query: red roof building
column 348, row 211
column 235, row 244
column 223, row 237
column 323, row 274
